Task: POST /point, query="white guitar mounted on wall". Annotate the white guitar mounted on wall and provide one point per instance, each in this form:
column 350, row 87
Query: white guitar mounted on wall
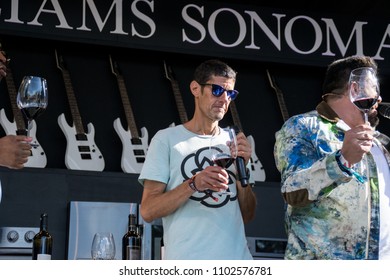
column 134, row 147
column 18, row 126
column 81, row 151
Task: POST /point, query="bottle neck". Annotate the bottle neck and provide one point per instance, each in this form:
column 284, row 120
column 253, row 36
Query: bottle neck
column 132, row 223
column 44, row 223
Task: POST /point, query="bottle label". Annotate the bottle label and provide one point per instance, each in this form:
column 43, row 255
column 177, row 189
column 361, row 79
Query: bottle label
column 43, row 257
column 133, row 253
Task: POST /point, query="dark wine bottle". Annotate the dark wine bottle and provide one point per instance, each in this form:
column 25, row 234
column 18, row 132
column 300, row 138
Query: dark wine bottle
column 162, row 249
column 132, row 241
column 42, row 241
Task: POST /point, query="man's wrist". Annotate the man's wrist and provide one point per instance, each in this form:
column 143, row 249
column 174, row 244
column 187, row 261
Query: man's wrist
column 344, row 161
column 344, row 165
column 191, row 184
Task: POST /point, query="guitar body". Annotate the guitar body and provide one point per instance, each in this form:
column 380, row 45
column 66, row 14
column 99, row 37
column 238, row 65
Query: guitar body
column 134, row 149
column 38, row 156
column 81, row 154
column 257, row 169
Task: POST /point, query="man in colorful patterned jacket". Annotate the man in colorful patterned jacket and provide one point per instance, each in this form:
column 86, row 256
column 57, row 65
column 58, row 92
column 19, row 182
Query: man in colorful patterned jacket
column 335, row 175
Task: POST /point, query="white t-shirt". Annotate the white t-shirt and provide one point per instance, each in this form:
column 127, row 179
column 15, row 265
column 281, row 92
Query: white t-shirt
column 384, row 200
column 201, row 228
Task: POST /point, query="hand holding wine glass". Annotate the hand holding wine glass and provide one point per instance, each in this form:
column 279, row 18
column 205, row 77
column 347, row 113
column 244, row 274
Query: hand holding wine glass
column 364, row 89
column 223, row 149
column 32, row 98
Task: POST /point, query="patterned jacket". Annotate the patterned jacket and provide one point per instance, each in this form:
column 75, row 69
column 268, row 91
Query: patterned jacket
column 330, row 214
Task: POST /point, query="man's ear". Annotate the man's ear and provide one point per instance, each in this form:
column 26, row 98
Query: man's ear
column 195, row 88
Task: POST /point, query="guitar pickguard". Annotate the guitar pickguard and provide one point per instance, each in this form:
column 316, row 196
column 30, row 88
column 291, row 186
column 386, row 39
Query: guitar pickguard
column 134, row 149
column 81, row 154
column 257, row 169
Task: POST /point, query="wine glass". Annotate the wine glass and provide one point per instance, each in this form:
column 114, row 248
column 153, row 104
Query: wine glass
column 32, row 98
column 223, row 148
column 103, row 246
column 364, row 89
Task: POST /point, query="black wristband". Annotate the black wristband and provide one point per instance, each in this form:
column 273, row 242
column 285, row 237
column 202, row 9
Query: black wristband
column 191, row 184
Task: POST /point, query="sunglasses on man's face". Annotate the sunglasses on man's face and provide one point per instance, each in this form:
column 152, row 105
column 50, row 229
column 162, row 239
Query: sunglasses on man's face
column 217, row 91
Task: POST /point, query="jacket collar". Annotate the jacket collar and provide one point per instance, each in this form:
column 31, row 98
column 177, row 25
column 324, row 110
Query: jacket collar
column 326, row 112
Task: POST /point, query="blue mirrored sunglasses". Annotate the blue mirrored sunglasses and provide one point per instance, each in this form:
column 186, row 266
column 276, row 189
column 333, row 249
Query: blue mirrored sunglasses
column 217, row 91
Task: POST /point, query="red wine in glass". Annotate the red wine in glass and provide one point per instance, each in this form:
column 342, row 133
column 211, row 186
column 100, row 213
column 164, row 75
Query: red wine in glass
column 223, row 160
column 32, row 112
column 365, row 103
column 223, row 147
column 32, row 98
column 363, row 89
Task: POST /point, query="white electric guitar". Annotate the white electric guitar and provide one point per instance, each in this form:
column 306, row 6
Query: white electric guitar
column 257, row 170
column 81, row 151
column 134, row 147
column 18, row 126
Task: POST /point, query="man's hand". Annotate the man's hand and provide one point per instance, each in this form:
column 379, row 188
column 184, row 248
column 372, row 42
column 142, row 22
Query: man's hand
column 357, row 142
column 14, row 151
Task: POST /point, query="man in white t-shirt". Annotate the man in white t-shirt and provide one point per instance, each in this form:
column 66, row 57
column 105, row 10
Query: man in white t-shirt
column 182, row 185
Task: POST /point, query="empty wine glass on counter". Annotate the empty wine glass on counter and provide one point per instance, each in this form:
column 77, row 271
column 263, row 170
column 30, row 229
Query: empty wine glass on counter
column 103, row 246
column 364, row 89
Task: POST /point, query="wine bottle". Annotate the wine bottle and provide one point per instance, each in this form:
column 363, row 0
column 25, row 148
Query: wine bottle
column 132, row 241
column 42, row 241
column 162, row 249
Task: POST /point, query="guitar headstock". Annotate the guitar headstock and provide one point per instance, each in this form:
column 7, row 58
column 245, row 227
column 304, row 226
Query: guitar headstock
column 60, row 61
column 279, row 95
column 272, row 81
column 169, row 72
column 114, row 67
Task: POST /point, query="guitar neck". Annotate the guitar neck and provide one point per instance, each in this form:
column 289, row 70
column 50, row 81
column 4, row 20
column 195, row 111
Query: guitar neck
column 176, row 91
column 179, row 101
column 73, row 103
column 282, row 104
column 19, row 120
column 279, row 95
column 127, row 107
column 235, row 117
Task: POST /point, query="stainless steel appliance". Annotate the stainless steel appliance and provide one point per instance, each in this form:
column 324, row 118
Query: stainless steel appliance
column 86, row 218
column 16, row 242
column 263, row 248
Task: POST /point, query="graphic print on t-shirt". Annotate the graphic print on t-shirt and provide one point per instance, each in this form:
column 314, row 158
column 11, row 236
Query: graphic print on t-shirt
column 195, row 163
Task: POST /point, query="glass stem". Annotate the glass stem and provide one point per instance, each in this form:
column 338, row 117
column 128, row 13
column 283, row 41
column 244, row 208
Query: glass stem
column 365, row 117
column 28, row 128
